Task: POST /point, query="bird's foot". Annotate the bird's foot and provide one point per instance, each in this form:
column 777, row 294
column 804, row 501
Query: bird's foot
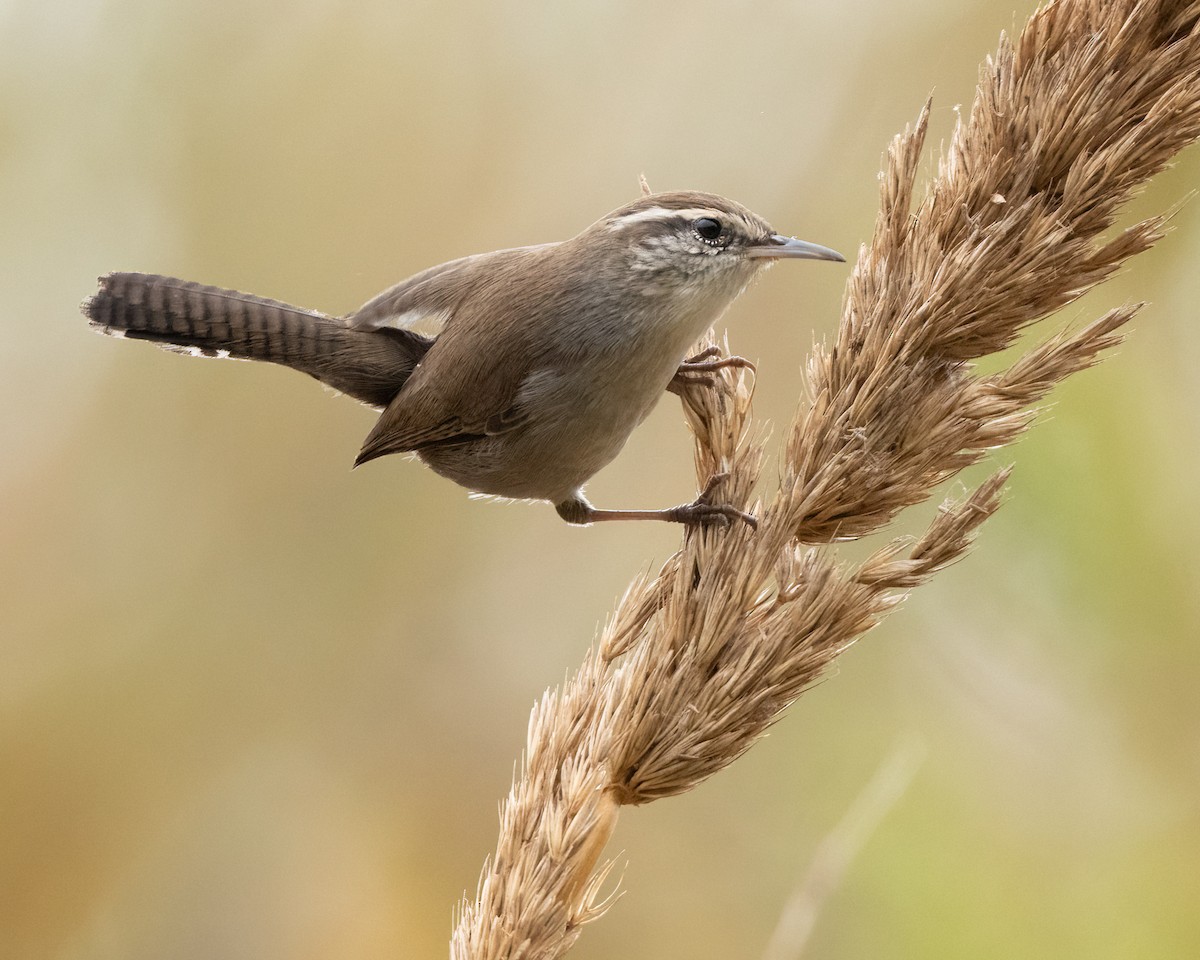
column 692, row 371
column 703, row 510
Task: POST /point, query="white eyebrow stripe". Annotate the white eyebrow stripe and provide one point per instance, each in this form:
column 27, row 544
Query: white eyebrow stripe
column 660, row 213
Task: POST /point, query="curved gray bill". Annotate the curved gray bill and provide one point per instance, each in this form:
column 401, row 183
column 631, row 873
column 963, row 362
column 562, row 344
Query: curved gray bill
column 789, row 248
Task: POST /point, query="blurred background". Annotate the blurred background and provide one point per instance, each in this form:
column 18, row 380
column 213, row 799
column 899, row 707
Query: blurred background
column 255, row 705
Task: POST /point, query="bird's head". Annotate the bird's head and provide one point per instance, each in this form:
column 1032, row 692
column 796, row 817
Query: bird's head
column 692, row 242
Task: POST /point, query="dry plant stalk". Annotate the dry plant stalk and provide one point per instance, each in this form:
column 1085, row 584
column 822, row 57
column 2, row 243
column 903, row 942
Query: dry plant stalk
column 1094, row 97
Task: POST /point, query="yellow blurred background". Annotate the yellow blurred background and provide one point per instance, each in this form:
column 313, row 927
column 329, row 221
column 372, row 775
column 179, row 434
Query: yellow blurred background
column 255, row 705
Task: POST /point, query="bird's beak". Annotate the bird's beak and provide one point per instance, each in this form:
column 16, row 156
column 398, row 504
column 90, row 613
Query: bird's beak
column 789, row 248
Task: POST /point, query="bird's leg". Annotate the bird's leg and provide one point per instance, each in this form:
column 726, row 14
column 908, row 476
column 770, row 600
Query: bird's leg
column 700, row 511
column 691, row 371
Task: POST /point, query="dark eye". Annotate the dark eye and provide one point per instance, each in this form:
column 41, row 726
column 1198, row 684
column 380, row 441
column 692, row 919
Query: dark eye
column 708, row 228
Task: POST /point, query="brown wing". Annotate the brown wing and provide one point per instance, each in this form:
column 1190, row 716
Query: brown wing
column 390, row 436
column 468, row 385
column 457, row 394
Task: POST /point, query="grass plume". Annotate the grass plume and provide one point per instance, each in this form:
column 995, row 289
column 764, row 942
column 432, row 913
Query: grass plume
column 1073, row 115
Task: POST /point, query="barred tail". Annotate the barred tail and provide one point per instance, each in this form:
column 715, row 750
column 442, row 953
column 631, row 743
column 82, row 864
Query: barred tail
column 369, row 365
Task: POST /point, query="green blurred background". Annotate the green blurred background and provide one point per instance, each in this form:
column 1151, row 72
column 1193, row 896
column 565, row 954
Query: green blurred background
column 255, row 705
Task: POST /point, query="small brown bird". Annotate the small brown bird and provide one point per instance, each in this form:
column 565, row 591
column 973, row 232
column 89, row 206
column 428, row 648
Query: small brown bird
column 548, row 356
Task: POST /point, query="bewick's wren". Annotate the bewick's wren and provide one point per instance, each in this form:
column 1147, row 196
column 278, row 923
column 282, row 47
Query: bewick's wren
column 548, row 356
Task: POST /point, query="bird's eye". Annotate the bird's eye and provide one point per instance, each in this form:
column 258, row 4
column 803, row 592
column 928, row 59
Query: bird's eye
column 708, row 228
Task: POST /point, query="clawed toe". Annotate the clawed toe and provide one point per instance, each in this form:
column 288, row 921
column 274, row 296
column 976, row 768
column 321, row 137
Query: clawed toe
column 702, row 511
column 700, row 364
column 691, row 371
column 703, row 514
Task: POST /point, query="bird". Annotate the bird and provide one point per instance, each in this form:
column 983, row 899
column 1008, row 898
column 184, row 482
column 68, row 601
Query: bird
column 547, row 359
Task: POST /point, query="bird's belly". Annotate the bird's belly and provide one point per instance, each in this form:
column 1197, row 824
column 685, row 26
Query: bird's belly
column 564, row 443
